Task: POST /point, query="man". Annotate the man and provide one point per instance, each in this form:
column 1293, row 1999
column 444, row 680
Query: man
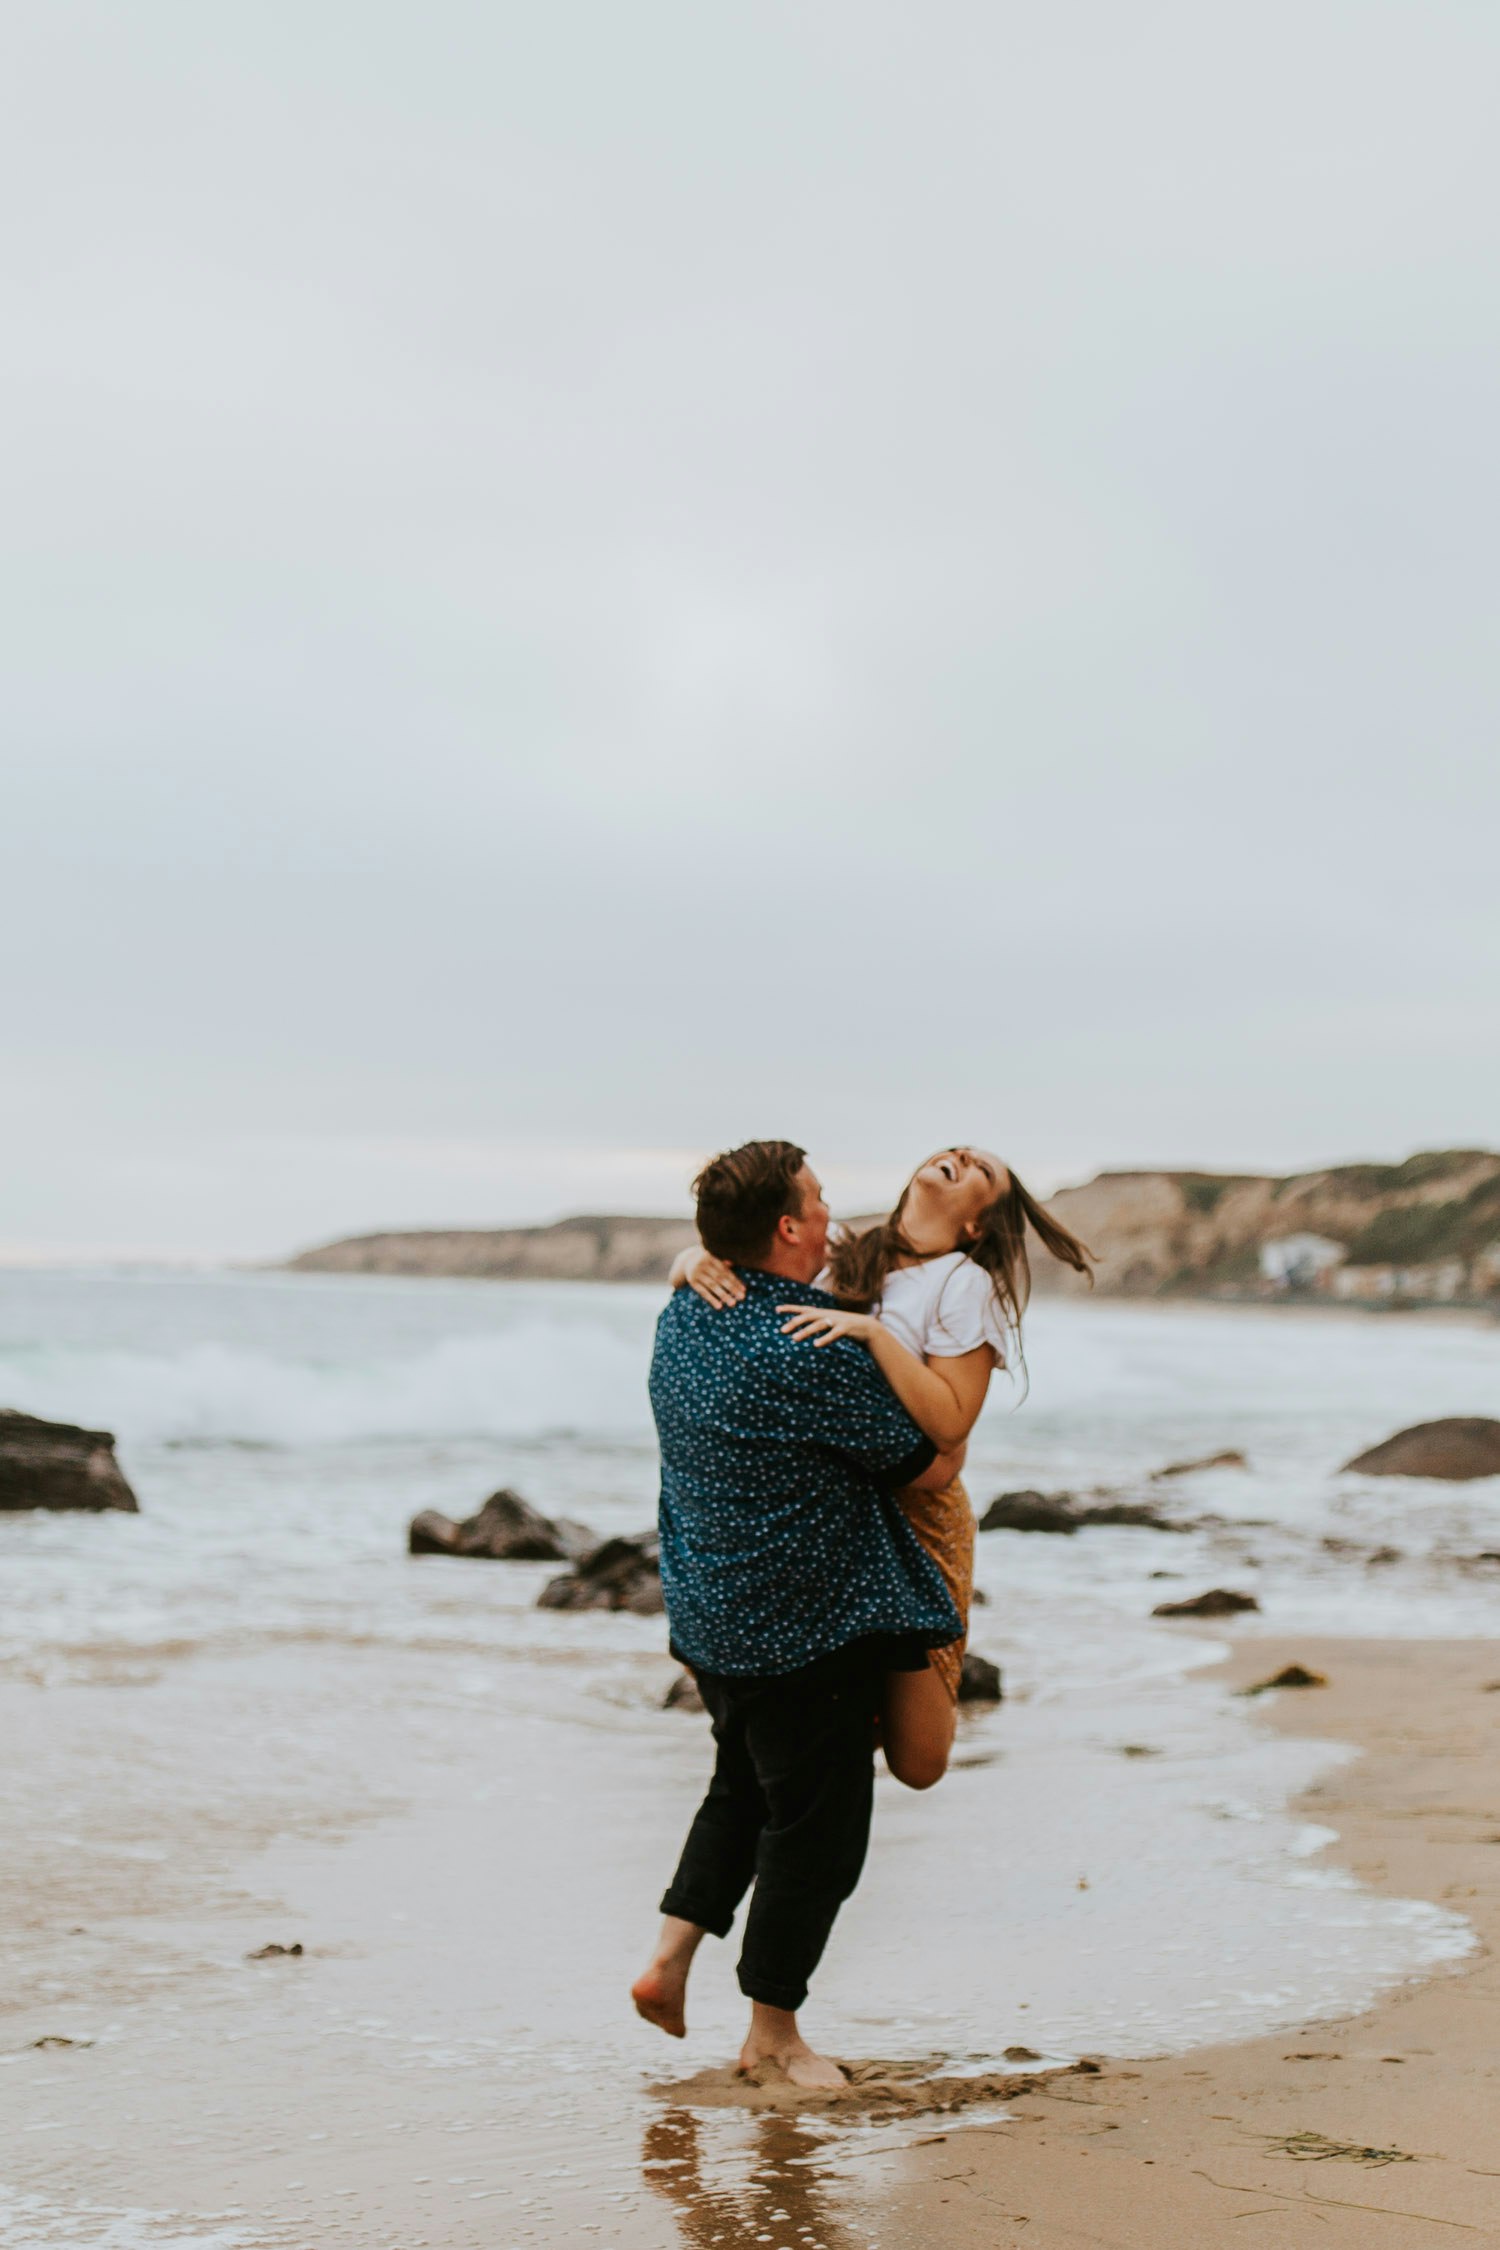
column 793, row 1583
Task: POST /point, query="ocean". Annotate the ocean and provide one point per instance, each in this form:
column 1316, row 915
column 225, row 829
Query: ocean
column 247, row 1718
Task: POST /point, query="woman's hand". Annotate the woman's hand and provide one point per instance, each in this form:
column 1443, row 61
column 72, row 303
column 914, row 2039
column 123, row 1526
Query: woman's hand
column 709, row 1277
column 819, row 1324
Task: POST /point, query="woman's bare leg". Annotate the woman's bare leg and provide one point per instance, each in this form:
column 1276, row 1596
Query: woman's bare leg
column 917, row 1723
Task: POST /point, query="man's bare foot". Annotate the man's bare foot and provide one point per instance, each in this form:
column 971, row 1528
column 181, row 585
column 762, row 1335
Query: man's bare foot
column 774, row 2038
column 660, row 1995
column 660, row 1991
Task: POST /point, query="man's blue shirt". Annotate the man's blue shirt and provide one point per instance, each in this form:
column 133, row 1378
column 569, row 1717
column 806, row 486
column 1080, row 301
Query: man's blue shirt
column 780, row 1540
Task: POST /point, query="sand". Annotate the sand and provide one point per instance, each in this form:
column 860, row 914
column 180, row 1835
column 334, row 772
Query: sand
column 270, row 2103
column 1378, row 2133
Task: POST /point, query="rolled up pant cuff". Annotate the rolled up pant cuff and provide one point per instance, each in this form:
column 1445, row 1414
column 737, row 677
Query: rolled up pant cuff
column 769, row 1994
column 684, row 1908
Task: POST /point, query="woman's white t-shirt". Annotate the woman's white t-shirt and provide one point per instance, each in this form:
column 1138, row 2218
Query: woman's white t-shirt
column 941, row 1308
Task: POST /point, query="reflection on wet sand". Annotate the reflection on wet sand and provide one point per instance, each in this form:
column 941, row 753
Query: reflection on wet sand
column 779, row 2196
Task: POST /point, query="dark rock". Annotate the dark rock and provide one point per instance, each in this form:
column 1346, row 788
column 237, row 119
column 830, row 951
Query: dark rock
column 1141, row 1512
column 433, row 1533
column 1032, row 1511
column 1232, row 1459
column 980, row 1680
column 1290, row 1675
column 277, row 1952
column 1021, row 2054
column 1458, row 1448
column 1064, row 1514
column 1373, row 1558
column 56, row 1465
column 506, row 1529
column 1219, row 1602
column 683, row 1695
column 622, row 1574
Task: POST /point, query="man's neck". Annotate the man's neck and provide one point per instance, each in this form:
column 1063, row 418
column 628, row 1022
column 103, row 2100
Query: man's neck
column 783, row 1266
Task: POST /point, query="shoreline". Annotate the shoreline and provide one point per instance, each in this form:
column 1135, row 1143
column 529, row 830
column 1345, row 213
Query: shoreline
column 1379, row 2128
column 355, row 2048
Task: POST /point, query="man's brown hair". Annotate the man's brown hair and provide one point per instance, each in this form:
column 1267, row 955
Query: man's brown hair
column 743, row 1193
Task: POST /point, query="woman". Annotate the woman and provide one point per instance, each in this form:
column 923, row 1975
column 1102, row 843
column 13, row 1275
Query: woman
column 937, row 1292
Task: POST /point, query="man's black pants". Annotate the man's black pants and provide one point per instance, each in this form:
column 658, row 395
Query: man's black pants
column 788, row 1809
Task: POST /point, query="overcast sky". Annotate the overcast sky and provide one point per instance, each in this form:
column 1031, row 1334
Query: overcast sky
column 586, row 581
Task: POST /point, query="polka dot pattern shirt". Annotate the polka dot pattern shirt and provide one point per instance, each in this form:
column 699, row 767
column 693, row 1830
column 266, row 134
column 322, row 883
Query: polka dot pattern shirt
column 779, row 1537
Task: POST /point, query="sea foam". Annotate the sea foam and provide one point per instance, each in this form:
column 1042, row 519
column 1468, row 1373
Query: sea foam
column 525, row 1382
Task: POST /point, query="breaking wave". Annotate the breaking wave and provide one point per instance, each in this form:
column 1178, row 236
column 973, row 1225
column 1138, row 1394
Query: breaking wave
column 524, row 1382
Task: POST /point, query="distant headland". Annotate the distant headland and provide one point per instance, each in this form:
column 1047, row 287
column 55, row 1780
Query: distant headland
column 1426, row 1231
column 583, row 1249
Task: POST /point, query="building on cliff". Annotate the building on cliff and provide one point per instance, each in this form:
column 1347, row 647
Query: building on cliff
column 1299, row 1261
column 1443, row 1281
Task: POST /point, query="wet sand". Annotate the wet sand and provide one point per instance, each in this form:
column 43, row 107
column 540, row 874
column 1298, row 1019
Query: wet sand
column 1378, row 2133
column 388, row 2090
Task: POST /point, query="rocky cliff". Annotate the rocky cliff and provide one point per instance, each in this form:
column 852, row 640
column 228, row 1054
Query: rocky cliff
column 1425, row 1229
column 1428, row 1228
column 587, row 1249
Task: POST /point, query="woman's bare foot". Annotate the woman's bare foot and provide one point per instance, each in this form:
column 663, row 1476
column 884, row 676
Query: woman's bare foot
column 774, row 2038
column 660, row 1991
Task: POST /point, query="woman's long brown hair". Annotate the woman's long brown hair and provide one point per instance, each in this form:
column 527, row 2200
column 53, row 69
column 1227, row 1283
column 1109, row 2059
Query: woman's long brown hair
column 860, row 1262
